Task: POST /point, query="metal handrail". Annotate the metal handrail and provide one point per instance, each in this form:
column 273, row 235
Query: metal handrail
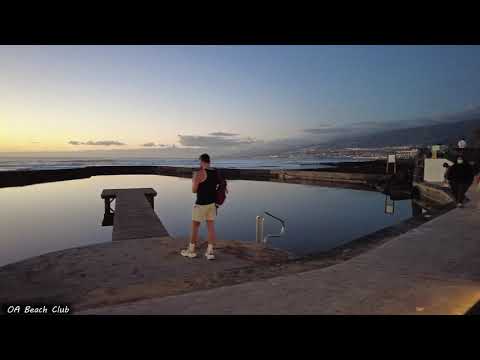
column 282, row 230
column 259, row 229
column 273, row 216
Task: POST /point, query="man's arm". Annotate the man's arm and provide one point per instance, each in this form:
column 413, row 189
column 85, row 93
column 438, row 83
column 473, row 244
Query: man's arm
column 195, row 182
column 197, row 179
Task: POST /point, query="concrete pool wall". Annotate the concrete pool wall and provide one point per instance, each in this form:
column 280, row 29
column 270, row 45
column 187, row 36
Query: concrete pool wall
column 30, row 177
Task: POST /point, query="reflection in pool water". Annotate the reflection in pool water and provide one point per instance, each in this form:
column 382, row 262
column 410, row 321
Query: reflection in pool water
column 47, row 217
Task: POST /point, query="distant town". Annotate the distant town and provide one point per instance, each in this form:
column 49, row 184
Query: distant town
column 350, row 153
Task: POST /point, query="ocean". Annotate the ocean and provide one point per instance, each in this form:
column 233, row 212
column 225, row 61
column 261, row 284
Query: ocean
column 36, row 163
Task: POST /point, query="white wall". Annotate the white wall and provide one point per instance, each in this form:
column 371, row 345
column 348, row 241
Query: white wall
column 434, row 170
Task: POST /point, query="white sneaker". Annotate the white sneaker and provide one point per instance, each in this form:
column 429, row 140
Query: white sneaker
column 189, row 252
column 209, row 254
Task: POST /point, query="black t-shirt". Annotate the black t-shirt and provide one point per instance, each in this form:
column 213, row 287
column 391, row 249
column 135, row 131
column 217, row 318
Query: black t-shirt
column 207, row 190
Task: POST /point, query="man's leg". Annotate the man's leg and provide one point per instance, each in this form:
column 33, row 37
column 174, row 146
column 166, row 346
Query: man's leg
column 194, row 234
column 454, row 188
column 190, row 251
column 462, row 189
column 211, row 239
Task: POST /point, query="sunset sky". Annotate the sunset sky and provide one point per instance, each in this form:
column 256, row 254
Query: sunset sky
column 70, row 98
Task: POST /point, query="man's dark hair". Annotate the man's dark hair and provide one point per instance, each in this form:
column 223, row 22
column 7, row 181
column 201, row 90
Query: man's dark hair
column 205, row 158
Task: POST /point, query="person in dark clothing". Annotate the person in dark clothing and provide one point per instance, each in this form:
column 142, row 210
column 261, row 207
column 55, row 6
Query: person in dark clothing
column 445, row 176
column 205, row 184
column 460, row 176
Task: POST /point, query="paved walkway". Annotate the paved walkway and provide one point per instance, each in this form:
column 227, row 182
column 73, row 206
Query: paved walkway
column 433, row 269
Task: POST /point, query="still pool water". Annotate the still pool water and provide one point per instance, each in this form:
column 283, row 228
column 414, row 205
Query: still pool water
column 42, row 218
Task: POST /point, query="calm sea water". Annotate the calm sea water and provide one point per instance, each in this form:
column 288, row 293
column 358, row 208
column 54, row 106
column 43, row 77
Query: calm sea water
column 42, row 218
column 25, row 163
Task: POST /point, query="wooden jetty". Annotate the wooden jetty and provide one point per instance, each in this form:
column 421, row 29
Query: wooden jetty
column 134, row 216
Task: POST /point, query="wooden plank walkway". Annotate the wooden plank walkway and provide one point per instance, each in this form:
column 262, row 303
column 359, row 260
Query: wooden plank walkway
column 134, row 217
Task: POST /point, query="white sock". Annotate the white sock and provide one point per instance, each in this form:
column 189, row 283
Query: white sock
column 191, row 247
column 209, row 249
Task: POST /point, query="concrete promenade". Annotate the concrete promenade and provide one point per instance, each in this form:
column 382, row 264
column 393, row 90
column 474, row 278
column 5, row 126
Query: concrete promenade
column 432, row 269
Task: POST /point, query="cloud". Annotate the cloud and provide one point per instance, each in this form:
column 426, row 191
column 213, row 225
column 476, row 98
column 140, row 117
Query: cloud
column 325, row 125
column 220, row 133
column 152, row 144
column 97, row 143
column 367, row 126
column 390, row 125
column 212, row 141
column 105, row 143
column 470, row 112
column 326, row 130
column 370, row 124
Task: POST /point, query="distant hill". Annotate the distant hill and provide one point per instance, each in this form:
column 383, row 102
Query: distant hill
column 445, row 133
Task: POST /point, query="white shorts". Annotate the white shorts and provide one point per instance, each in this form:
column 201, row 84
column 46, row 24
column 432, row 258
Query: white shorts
column 202, row 213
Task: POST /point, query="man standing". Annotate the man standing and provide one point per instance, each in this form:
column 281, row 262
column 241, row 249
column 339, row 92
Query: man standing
column 205, row 184
column 460, row 177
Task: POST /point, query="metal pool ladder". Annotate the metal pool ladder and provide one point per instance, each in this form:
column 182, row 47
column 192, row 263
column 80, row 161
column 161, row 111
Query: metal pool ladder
column 259, row 228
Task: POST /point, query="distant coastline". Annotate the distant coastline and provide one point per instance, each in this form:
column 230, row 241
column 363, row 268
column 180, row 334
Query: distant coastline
column 57, row 163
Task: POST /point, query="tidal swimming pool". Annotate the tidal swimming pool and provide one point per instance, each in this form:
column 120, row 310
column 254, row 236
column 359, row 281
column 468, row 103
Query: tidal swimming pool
column 47, row 217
